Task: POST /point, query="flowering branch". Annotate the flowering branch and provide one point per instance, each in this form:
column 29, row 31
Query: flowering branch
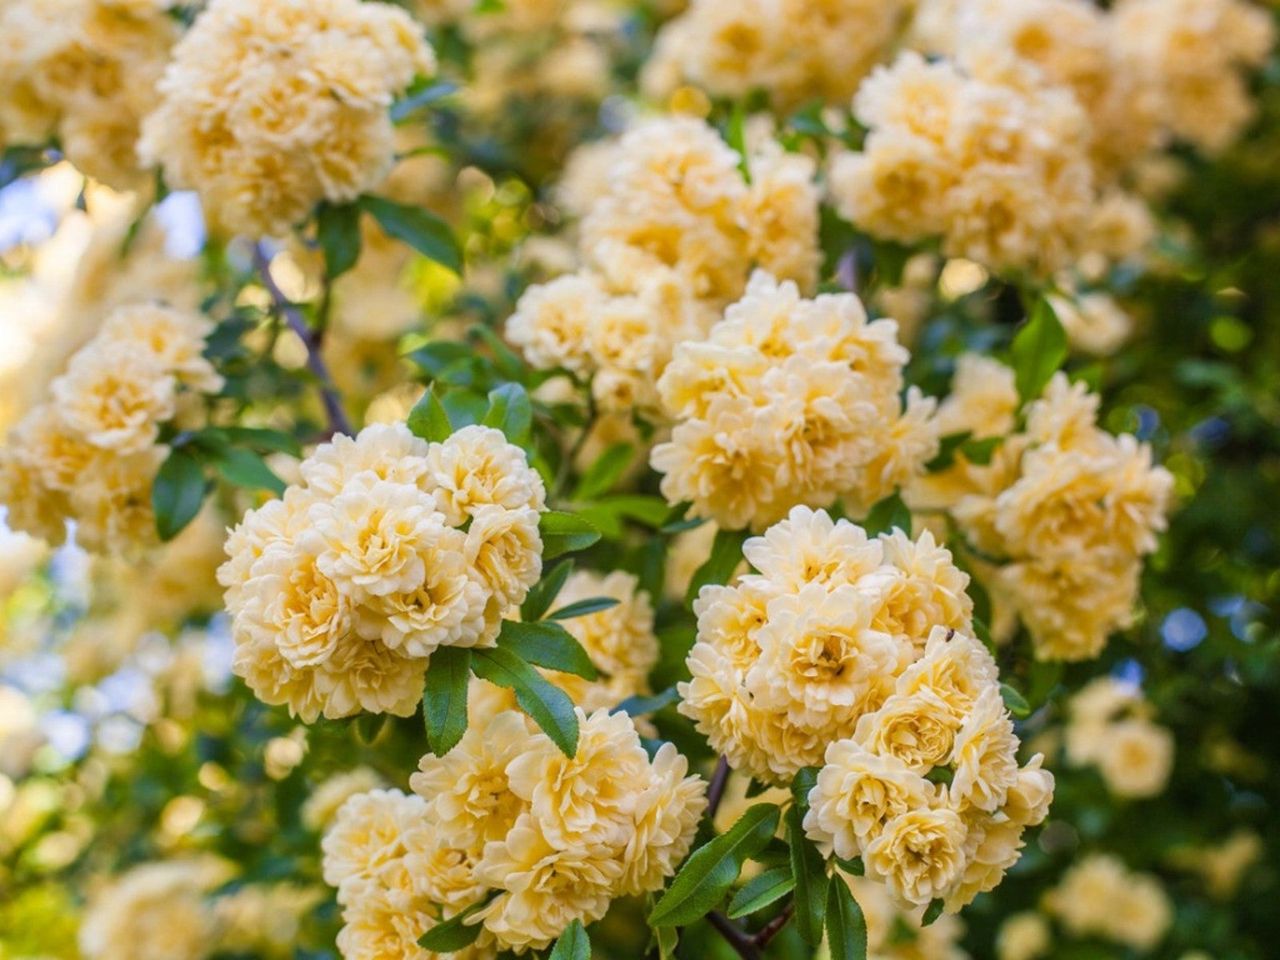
column 338, row 422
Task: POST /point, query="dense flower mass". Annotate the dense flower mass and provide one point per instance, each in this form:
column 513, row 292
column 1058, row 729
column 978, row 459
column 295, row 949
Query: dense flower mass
column 389, row 548
column 508, row 821
column 270, row 107
column 788, row 659
column 999, row 171
column 669, row 238
column 796, row 50
column 83, row 73
column 790, row 401
column 90, row 452
column 880, row 796
column 1064, row 510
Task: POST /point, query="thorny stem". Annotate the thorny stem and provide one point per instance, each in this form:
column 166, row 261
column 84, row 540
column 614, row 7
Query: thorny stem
column 338, row 422
column 715, row 793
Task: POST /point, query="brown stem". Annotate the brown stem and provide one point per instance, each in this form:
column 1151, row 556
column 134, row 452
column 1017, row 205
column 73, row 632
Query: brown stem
column 774, row 926
column 338, row 422
column 715, row 792
column 741, row 942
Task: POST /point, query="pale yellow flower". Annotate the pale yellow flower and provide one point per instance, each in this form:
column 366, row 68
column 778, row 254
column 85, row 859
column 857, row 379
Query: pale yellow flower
column 325, row 801
column 985, row 755
column 1136, row 758
column 368, row 835
column 1024, row 936
column 476, row 467
column 919, row 854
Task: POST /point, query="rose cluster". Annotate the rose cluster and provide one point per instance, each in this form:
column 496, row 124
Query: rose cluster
column 796, row 50
column 927, row 791
column 669, row 238
column 389, row 548
column 506, row 821
column 789, row 401
column 1110, row 727
column 1063, row 511
column 270, row 106
column 85, row 73
column 90, row 452
column 789, row 658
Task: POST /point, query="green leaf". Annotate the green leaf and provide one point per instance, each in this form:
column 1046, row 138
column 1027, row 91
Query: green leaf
column 889, row 514
column 981, row 451
column 761, row 891
column 338, row 233
column 455, row 933
column 505, row 360
column 420, row 229
column 444, row 698
column 369, row 727
column 420, row 96
column 846, row 926
column 647, row 510
column 546, row 703
column 712, row 869
column 726, row 554
column 544, row 592
column 802, row 785
column 810, row 874
column 931, row 913
column 947, row 447
column 258, row 438
column 668, row 938
column 853, row 866
column 463, row 406
column 546, row 644
column 1038, row 350
column 604, row 473
column 1015, row 701
column 510, row 411
column 565, row 532
column 438, row 355
column 584, row 607
column 428, row 419
column 244, row 468
column 573, row 944
column 638, row 706
column 177, row 493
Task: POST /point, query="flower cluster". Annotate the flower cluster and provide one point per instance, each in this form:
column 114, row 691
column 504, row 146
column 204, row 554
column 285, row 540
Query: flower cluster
column 270, row 106
column 1000, row 172
column 1110, row 727
column 84, row 73
column 89, row 453
column 389, row 548
column 170, row 910
column 789, row 401
column 507, row 820
column 788, row 659
column 1193, row 52
column 927, row 791
column 1099, row 896
column 796, row 50
column 1064, row 510
column 669, row 240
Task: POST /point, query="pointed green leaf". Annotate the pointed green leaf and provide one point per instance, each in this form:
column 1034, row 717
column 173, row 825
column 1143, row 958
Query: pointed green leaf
column 546, row 644
column 931, row 913
column 573, row 944
column 809, row 871
column 846, row 926
column 544, row 592
column 547, row 704
column 455, row 933
column 1015, row 701
column 583, row 607
column 510, row 411
column 564, row 532
column 887, row 515
column 604, row 473
column 709, row 873
column 419, row 228
column 726, row 554
column 444, row 698
column 1038, row 350
column 244, row 468
column 338, row 233
column 761, row 891
column 639, row 706
column 428, row 419
column 177, row 493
